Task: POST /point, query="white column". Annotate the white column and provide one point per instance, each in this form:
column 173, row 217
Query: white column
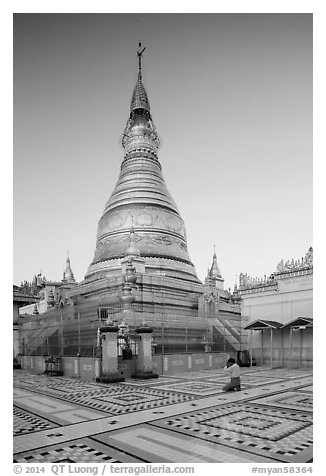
column 109, row 367
column 144, row 361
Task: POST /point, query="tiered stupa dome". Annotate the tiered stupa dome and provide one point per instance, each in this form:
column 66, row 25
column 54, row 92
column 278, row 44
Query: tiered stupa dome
column 141, row 201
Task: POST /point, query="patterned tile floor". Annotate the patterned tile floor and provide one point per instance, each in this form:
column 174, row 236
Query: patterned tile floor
column 184, row 417
column 196, row 388
column 114, row 398
column 26, row 422
column 251, row 428
column 78, row 451
column 290, row 400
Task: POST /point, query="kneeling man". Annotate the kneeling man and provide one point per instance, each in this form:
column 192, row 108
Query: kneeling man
column 233, row 369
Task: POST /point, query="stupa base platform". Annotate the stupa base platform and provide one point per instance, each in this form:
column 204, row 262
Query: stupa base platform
column 110, row 378
column 144, row 375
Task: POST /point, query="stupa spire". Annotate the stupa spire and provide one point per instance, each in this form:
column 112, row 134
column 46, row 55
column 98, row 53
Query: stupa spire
column 140, row 129
column 139, row 99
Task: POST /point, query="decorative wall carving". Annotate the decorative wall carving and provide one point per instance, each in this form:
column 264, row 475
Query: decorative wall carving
column 246, row 281
column 143, row 217
column 162, row 240
column 305, row 262
column 283, row 269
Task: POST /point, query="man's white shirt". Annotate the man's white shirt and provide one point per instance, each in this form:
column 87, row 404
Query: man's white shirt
column 233, row 370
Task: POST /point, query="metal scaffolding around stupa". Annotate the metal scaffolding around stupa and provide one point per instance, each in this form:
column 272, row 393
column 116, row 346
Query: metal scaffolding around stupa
column 141, row 271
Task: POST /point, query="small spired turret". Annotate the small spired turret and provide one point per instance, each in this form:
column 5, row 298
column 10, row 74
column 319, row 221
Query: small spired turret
column 68, row 275
column 214, row 276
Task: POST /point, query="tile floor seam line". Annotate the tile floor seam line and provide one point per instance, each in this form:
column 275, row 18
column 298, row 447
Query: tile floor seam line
column 309, row 412
column 116, row 448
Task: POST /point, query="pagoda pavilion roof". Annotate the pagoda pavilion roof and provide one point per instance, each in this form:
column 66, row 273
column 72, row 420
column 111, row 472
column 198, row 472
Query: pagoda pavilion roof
column 299, row 321
column 260, row 324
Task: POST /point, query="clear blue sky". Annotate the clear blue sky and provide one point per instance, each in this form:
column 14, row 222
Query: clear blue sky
column 231, row 97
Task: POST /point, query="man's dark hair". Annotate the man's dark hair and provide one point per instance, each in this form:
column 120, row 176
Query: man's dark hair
column 231, row 360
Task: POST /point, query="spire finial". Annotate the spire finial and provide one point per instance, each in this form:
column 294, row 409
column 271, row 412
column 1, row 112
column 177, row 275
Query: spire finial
column 214, row 249
column 140, row 52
